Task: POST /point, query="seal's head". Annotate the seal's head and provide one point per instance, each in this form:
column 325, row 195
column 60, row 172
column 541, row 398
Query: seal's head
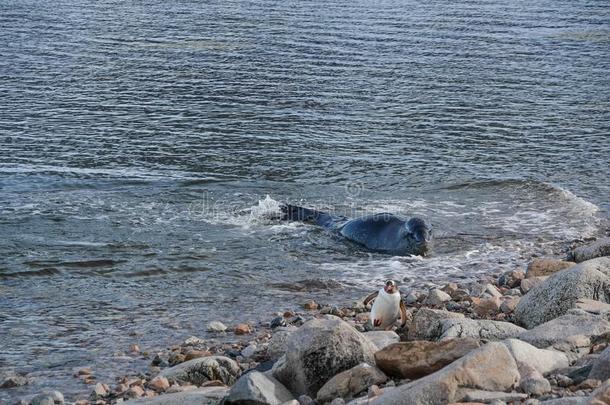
column 419, row 234
column 390, row 287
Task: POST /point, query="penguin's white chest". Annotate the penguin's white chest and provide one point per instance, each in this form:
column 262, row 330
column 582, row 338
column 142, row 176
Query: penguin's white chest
column 386, row 308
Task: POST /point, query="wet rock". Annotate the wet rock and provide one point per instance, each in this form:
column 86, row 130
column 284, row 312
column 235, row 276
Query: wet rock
column 532, row 382
column 13, row 380
column 319, row 350
column 48, row 398
column 511, row 279
column 217, row 327
column 546, row 267
column 480, row 329
column 278, row 322
column 529, row 283
column 419, row 358
column 258, row 388
column 277, row 343
column 199, row 371
column 601, row 366
column 242, row 329
column 437, row 298
column 489, row 368
column 599, row 248
column 544, row 361
column 350, row 383
column 485, row 307
column 426, row 323
column 489, row 396
column 159, row 384
column 564, row 328
column 381, row 338
column 553, row 298
column 202, row 396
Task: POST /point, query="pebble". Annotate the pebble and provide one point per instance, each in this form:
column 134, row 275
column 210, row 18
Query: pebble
column 134, row 391
column 217, row 327
column 100, row 391
column 249, row 351
column 196, row 354
column 195, row 341
column 159, row 384
column 311, row 305
column 242, row 329
column 277, row 322
column 305, row 400
column 13, row 381
column 437, row 297
column 589, row 383
column 485, row 307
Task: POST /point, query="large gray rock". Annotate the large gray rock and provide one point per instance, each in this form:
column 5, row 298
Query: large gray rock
column 382, row 338
column 350, row 383
column 561, row 330
column 201, row 370
column 560, row 292
column 200, row 396
column 277, row 343
column 599, row 248
column 601, row 366
column 490, row 368
column 478, row 328
column 427, row 322
column 256, row 388
column 420, row 357
column 544, row 361
column 319, row 350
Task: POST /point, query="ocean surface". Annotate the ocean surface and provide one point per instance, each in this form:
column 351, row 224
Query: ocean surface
column 145, row 147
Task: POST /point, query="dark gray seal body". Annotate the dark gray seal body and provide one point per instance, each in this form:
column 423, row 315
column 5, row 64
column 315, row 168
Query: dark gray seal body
column 384, row 233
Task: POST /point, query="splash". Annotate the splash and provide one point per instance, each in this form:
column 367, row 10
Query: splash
column 267, row 209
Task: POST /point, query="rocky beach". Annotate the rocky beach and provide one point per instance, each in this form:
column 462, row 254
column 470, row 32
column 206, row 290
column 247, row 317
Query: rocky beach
column 539, row 335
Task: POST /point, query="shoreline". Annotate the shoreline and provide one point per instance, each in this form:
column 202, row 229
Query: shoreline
column 486, row 310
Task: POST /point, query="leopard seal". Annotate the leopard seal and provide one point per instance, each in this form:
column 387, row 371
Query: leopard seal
column 382, row 233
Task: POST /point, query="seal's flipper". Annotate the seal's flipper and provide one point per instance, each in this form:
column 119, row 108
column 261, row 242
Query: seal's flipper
column 296, row 213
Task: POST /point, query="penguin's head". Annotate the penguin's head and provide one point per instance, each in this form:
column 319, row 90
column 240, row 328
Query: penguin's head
column 419, row 233
column 390, row 287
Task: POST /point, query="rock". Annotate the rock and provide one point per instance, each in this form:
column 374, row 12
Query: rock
column 491, row 291
column 159, row 384
column 310, row 305
column 277, row 322
column 277, row 344
column 48, row 398
column 350, row 383
column 529, row 283
column 242, row 329
column 199, row 371
column 589, row 383
column 217, row 327
column 450, row 288
column 489, row 396
column 193, row 341
column 485, row 307
column 552, row 298
column 13, row 380
column 489, row 368
column 258, row 388
column 196, row 354
column 601, row 396
column 135, row 391
column 566, row 327
column 100, row 391
column 543, row 361
column 200, row 396
column 567, row 401
column 511, row 279
column 337, row 401
column 176, row 358
column 509, row 304
column 532, row 382
column 599, row 248
column 382, row 338
column 592, row 306
column 480, row 329
column 437, row 297
column 460, row 295
column 412, row 297
column 601, row 366
column 319, row 350
column 546, row 267
column 249, row 351
column 419, row 358
column 427, row 322
column 306, row 400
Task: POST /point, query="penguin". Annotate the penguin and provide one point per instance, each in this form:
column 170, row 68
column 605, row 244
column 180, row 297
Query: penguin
column 388, row 306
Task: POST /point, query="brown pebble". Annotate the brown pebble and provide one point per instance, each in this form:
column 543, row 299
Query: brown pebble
column 196, row 354
column 176, row 358
column 311, row 305
column 85, row 371
column 242, row 329
column 485, row 307
column 134, row 392
column 159, row 384
column 289, row 314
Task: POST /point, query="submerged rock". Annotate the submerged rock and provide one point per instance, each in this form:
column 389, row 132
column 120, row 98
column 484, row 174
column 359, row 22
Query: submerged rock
column 201, row 370
column 490, row 368
column 419, row 358
column 560, row 292
column 350, row 383
column 256, row 388
column 319, row 350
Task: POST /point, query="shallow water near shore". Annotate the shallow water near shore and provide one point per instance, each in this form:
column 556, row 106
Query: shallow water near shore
column 145, row 147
